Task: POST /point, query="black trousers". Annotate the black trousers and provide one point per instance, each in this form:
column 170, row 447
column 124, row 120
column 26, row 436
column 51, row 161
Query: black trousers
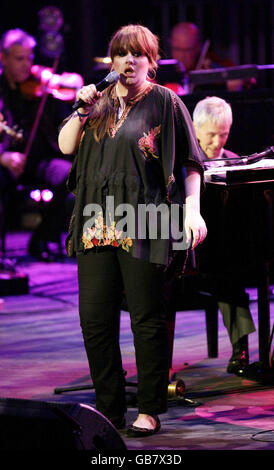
column 103, row 276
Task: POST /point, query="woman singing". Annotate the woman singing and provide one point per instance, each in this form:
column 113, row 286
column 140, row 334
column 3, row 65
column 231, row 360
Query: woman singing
column 135, row 147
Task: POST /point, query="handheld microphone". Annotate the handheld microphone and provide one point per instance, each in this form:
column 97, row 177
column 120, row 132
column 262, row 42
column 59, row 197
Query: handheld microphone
column 112, row 77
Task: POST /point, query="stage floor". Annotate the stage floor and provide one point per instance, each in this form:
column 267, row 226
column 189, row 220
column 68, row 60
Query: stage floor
column 41, row 348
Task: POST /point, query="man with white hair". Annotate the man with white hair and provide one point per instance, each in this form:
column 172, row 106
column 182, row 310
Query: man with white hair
column 212, row 119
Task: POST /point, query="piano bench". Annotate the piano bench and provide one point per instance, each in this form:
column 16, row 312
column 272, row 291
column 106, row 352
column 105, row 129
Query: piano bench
column 196, row 300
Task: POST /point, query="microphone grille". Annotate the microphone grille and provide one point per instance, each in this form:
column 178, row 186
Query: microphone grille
column 112, row 77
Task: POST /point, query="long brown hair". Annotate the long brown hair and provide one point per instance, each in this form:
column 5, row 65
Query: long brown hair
column 133, row 38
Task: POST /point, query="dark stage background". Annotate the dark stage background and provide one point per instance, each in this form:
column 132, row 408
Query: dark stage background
column 241, row 30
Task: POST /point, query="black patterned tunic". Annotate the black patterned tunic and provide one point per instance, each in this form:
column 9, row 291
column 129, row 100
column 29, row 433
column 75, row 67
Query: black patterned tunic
column 141, row 161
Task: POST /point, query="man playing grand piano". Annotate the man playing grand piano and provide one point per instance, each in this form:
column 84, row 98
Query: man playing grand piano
column 212, row 119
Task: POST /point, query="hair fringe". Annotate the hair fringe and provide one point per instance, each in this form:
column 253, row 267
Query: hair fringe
column 132, row 37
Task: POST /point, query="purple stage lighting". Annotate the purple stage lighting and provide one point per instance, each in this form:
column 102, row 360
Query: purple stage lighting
column 47, row 195
column 35, row 194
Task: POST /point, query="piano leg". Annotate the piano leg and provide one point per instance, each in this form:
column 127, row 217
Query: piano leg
column 263, row 370
column 264, row 317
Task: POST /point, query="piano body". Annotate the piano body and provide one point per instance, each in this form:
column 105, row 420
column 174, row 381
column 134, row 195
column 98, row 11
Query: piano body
column 237, row 206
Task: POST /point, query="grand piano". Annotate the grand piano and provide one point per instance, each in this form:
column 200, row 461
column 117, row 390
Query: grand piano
column 238, row 206
column 238, row 202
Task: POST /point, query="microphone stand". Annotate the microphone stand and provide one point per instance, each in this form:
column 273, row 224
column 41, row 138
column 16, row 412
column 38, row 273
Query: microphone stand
column 246, row 158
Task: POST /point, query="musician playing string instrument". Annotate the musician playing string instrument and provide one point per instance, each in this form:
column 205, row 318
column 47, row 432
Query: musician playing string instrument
column 187, row 47
column 42, row 164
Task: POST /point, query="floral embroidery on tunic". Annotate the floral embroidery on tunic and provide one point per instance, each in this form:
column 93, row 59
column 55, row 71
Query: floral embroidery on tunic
column 148, row 143
column 171, row 181
column 174, row 99
column 103, row 235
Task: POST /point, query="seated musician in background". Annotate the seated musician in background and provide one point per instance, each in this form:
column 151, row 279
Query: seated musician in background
column 43, row 164
column 187, row 47
column 212, row 119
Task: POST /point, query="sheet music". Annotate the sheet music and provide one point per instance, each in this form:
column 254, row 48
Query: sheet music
column 222, row 170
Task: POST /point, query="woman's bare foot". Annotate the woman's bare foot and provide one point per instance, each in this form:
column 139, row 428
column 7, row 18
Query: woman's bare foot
column 145, row 421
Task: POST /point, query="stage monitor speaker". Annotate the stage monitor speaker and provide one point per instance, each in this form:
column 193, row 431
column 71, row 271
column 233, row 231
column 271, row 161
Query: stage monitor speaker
column 37, row 425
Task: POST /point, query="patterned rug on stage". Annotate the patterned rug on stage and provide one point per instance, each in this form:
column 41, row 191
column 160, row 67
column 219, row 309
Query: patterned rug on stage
column 42, row 349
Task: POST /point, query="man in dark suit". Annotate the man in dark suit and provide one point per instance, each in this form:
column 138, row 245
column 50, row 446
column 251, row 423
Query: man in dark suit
column 212, row 119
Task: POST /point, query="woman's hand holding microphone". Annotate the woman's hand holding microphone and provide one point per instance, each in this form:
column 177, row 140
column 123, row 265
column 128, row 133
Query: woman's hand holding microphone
column 89, row 95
